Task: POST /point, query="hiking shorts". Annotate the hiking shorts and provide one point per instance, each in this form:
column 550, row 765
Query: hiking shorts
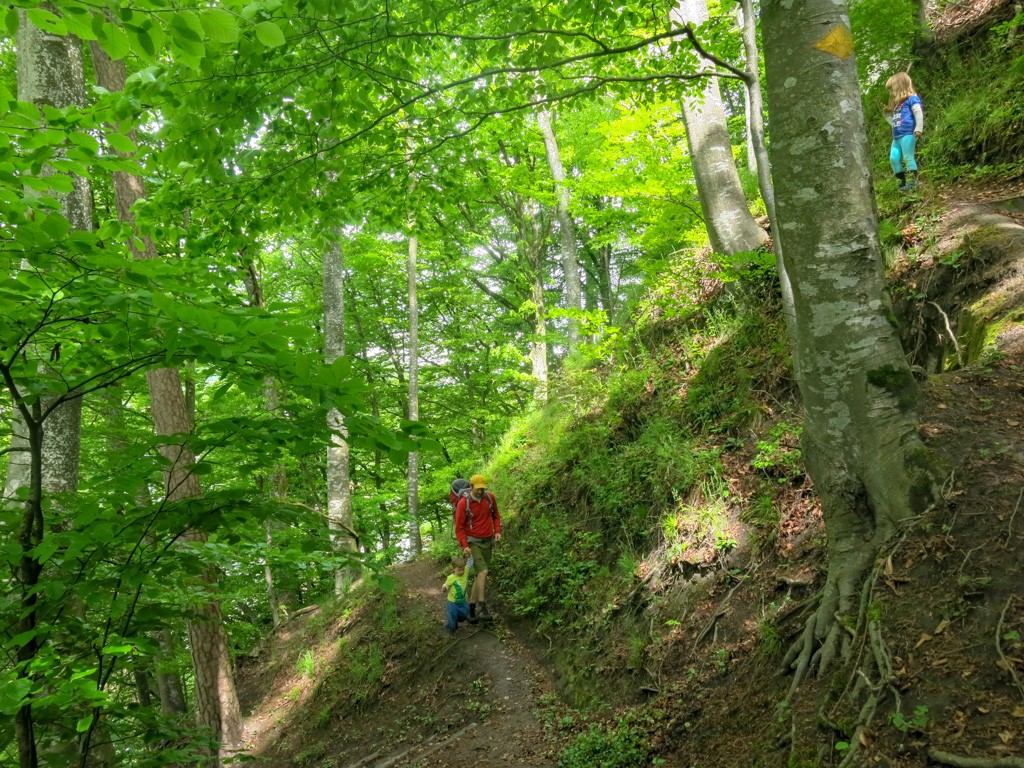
column 481, row 552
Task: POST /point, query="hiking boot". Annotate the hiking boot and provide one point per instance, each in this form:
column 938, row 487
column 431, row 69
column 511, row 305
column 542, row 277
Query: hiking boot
column 472, row 613
column 484, row 614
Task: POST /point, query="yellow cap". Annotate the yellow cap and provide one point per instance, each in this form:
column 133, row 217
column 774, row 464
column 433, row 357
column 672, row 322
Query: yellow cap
column 478, row 481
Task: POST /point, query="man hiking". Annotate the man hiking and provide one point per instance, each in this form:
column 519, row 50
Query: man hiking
column 477, row 527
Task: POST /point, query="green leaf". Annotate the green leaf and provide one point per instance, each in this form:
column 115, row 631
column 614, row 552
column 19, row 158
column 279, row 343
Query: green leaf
column 112, row 39
column 13, row 694
column 117, row 650
column 79, row 22
column 141, row 42
column 47, row 547
column 221, row 26
column 268, row 33
column 11, row 21
column 47, row 21
column 121, row 143
column 187, row 26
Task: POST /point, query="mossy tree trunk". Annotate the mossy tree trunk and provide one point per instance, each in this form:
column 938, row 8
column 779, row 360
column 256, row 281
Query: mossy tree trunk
column 860, row 430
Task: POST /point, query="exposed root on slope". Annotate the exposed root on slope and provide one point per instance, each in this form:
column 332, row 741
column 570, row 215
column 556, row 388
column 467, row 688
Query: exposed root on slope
column 858, row 646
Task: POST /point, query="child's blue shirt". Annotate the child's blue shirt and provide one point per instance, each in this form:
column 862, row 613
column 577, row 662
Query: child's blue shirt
column 902, row 119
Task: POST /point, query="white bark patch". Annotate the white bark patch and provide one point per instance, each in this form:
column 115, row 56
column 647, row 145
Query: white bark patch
column 790, row 82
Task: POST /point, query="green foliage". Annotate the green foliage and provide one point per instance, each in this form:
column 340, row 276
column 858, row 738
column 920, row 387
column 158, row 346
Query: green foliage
column 771, row 643
column 626, row 745
column 746, row 352
column 884, row 32
column 306, row 665
column 918, row 722
column 778, row 456
column 978, row 128
column 549, row 577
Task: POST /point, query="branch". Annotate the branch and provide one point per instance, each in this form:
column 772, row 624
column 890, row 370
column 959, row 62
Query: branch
column 952, row 336
column 700, row 49
column 947, row 758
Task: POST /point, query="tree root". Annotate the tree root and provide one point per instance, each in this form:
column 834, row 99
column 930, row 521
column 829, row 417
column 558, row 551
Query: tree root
column 828, row 639
column 957, row 761
column 1004, row 662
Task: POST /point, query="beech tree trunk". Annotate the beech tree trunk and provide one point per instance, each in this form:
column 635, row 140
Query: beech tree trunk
column 339, row 485
column 566, row 228
column 44, row 457
column 217, row 706
column 730, row 226
column 860, row 440
column 413, row 473
column 277, row 483
column 748, row 30
column 533, row 230
column 755, row 114
column 169, row 687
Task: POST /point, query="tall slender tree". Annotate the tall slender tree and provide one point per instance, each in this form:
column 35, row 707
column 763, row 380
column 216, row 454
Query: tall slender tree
column 731, row 227
column 46, row 437
column 339, row 482
column 566, row 226
column 413, row 410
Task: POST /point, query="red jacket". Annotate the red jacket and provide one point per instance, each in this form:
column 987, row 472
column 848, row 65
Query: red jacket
column 485, row 519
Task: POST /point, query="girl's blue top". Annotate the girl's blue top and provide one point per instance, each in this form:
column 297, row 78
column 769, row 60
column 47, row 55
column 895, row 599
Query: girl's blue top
column 902, row 119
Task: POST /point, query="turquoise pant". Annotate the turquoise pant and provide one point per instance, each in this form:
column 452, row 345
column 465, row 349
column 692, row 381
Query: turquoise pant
column 901, row 155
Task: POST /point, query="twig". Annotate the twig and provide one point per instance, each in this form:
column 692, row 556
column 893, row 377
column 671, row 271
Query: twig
column 1009, row 526
column 947, row 487
column 968, row 557
column 947, row 758
column 952, row 336
column 711, row 625
column 1005, row 662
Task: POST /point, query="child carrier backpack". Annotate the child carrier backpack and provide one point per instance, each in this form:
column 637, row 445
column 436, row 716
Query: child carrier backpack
column 460, row 489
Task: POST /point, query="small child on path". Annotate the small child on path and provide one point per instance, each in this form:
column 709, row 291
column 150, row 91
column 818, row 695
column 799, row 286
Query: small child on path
column 457, row 586
column 906, row 116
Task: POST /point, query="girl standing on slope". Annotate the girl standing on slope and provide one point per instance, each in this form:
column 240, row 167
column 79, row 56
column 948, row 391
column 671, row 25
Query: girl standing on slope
column 906, row 115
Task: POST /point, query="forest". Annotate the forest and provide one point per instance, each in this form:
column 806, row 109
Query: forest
column 276, row 272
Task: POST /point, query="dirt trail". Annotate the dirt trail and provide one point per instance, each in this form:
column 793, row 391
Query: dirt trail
column 482, row 690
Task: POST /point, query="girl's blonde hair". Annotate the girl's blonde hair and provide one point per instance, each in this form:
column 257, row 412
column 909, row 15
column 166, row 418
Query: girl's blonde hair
column 900, row 89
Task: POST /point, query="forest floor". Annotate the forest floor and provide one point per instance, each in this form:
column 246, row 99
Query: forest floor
column 948, row 600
